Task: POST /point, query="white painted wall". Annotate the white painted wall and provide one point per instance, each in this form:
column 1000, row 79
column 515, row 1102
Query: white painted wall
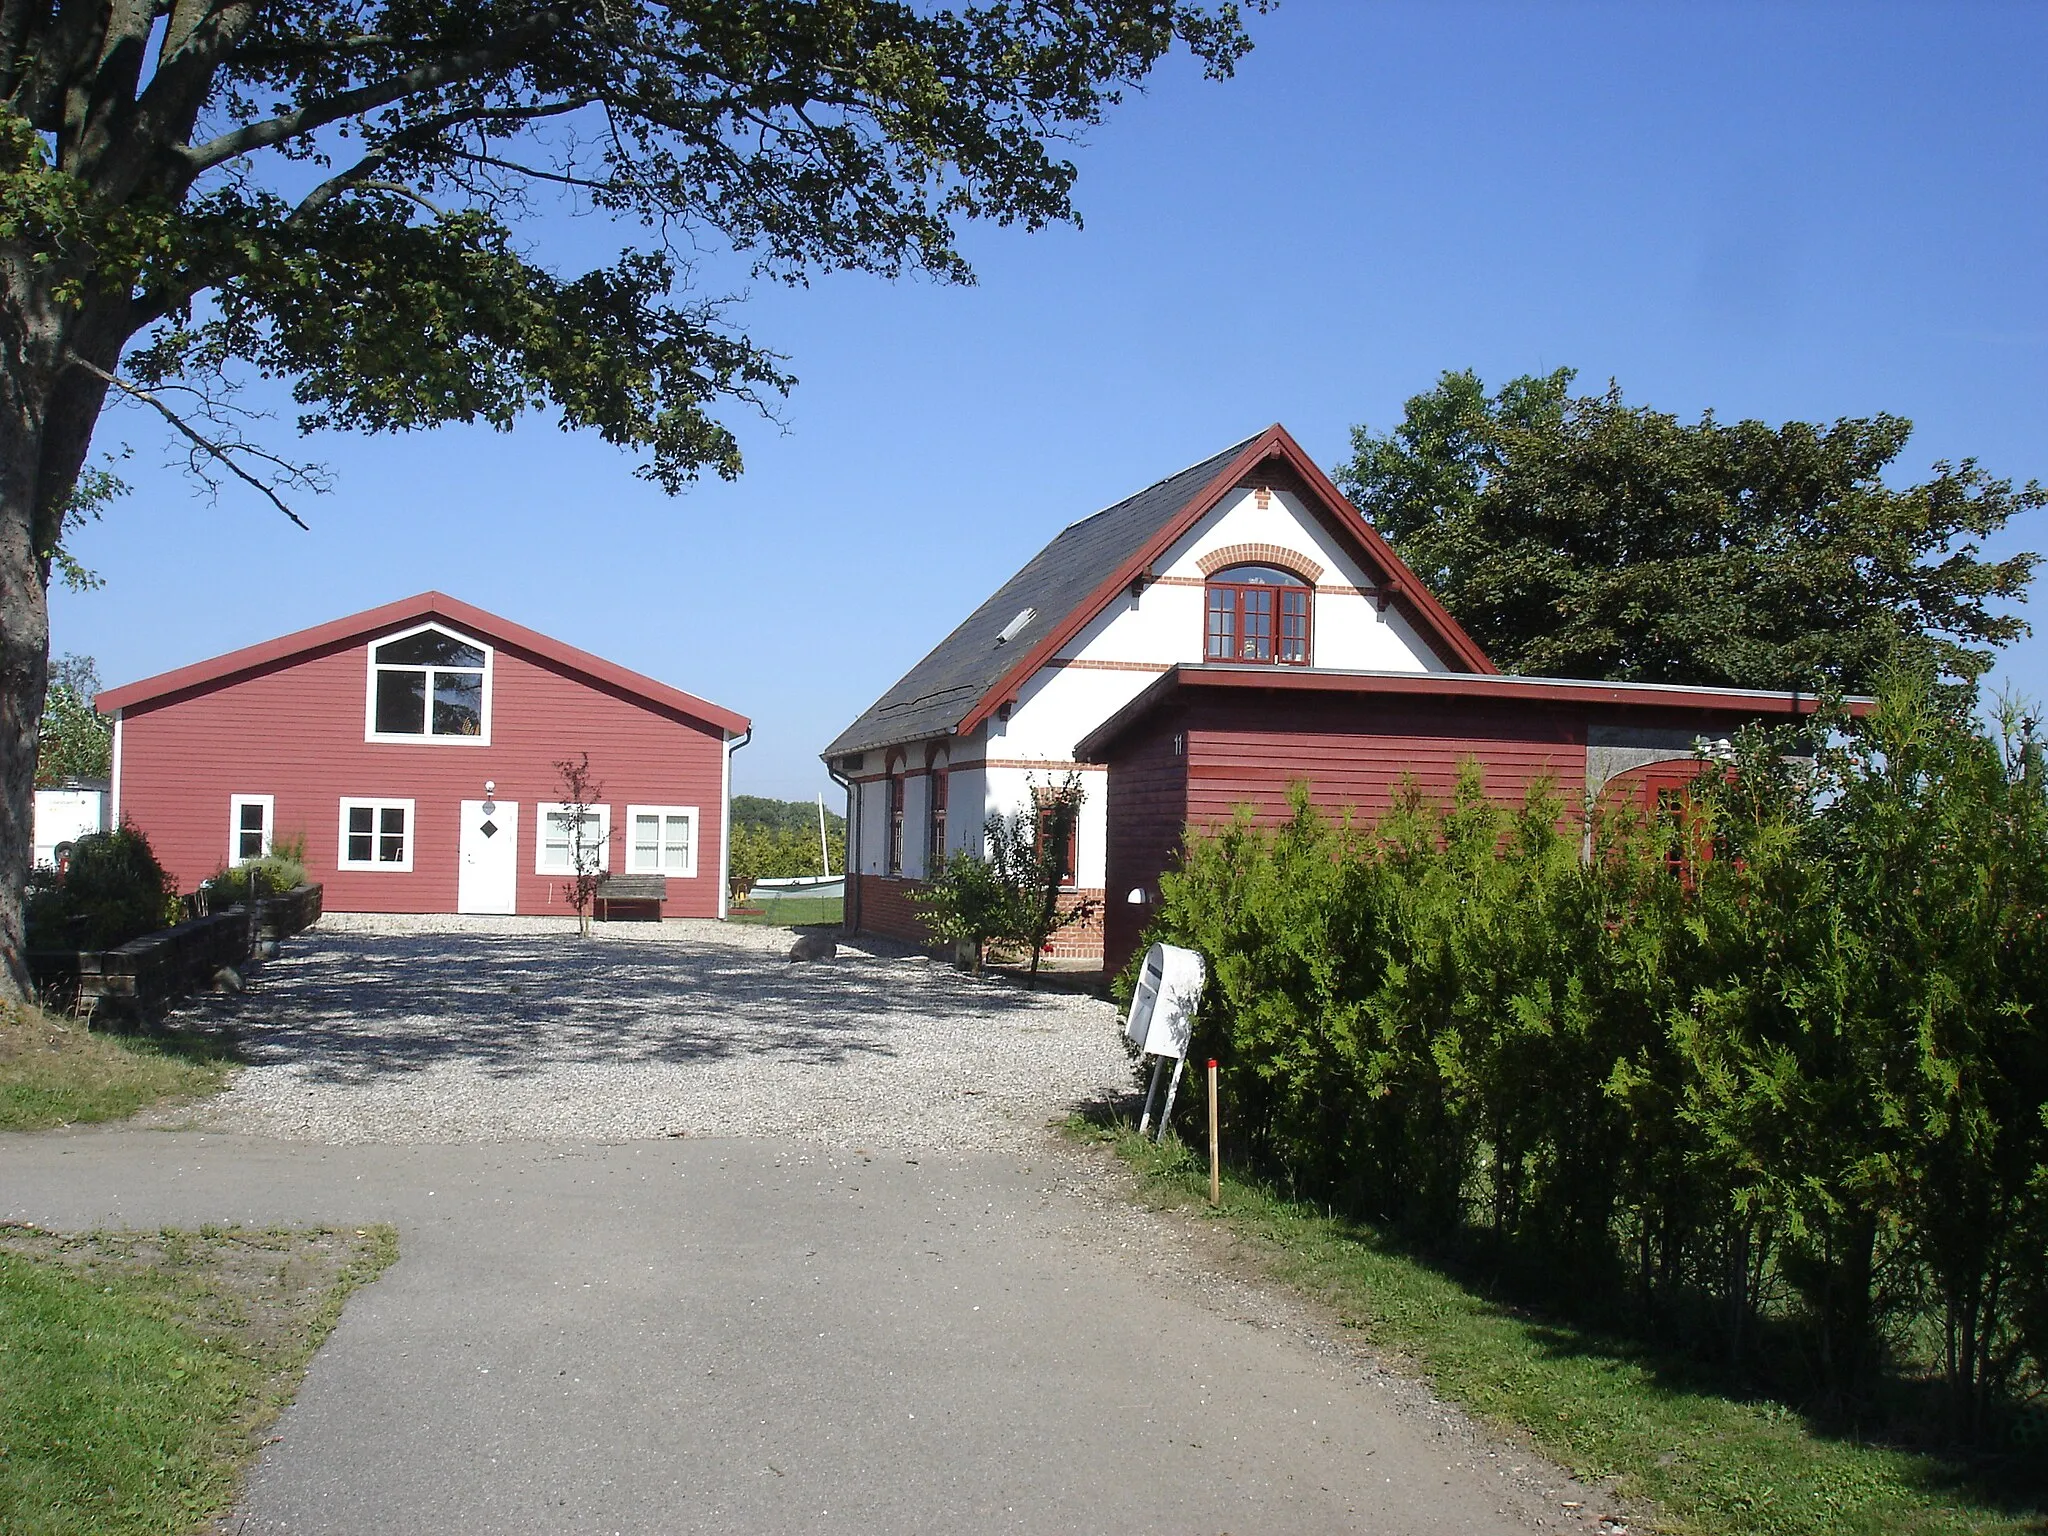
column 1154, row 629
column 64, row 816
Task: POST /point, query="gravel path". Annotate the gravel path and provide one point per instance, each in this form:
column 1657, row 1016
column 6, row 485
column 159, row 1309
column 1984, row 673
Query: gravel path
column 374, row 1029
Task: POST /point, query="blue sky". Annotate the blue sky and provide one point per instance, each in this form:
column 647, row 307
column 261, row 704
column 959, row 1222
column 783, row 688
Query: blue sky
column 1777, row 211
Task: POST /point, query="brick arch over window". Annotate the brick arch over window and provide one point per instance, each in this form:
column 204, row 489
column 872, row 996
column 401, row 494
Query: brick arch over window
column 1261, row 554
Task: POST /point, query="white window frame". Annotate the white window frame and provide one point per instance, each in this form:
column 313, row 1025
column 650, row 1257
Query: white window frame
column 634, row 812
column 548, row 808
column 377, row 809
column 426, row 738
column 235, row 804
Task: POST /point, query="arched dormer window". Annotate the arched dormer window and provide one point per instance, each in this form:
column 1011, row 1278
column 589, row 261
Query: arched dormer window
column 430, row 684
column 1258, row 613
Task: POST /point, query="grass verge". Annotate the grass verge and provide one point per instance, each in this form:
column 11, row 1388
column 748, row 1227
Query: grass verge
column 55, row 1071
column 1608, row 1410
column 138, row 1371
column 791, row 911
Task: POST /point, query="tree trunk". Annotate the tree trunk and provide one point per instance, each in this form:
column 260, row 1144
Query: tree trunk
column 48, row 409
column 24, row 668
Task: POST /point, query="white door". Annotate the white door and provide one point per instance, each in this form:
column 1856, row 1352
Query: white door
column 490, row 857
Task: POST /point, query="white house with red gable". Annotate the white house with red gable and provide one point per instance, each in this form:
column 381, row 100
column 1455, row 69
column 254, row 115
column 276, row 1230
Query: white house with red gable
column 1251, row 557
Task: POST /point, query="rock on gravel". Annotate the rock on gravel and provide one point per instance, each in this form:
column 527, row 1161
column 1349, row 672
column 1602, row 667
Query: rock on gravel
column 378, row 1029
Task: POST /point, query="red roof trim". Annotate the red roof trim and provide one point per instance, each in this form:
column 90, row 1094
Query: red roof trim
column 411, row 610
column 1533, row 690
column 1439, row 629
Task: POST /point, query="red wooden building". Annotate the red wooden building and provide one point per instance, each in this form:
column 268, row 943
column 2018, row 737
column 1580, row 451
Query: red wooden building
column 413, row 748
column 1203, row 740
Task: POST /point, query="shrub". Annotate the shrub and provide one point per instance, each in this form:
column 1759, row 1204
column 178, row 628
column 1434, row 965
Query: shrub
column 113, row 890
column 1774, row 1056
column 1012, row 894
column 278, row 870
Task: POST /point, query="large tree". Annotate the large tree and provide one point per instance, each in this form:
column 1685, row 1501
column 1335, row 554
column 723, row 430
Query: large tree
column 1582, row 536
column 339, row 194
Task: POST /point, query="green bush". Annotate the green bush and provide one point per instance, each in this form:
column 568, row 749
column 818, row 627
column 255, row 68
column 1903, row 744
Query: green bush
column 112, row 890
column 279, row 870
column 779, row 853
column 1773, row 1059
column 1011, row 893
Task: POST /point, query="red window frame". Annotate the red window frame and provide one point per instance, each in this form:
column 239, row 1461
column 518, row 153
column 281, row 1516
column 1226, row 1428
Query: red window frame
column 935, row 821
column 1263, row 622
column 896, row 822
column 1069, row 877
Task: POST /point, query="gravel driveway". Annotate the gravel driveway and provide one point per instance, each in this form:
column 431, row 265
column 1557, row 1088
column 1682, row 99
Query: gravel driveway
column 440, row 1029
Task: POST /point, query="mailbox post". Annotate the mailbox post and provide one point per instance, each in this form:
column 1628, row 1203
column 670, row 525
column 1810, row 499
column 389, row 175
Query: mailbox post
column 1163, row 1016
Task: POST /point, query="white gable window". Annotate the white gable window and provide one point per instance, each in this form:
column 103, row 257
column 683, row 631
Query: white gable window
column 559, row 843
column 376, row 834
column 662, row 840
column 249, row 822
column 430, row 684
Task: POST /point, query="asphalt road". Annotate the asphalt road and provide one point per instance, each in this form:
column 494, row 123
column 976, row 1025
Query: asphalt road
column 740, row 1336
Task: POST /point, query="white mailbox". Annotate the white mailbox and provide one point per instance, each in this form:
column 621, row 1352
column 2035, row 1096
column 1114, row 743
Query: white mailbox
column 1163, row 1007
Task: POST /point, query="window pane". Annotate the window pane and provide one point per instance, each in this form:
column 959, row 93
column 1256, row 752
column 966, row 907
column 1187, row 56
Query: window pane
column 647, row 842
column 1294, row 625
column 1258, row 625
column 1222, row 631
column 361, row 841
column 401, row 703
column 249, row 845
column 677, row 846
column 390, row 849
column 458, row 703
column 557, row 833
column 393, row 818
column 252, row 817
column 430, row 647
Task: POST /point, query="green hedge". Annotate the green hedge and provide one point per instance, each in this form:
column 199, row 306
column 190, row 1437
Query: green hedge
column 1770, row 1064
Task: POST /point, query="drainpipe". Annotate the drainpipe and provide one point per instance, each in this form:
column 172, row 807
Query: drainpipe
column 725, row 821
column 849, row 908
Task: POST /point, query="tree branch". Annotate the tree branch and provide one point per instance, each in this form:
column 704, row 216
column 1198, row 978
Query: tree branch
column 424, row 77
column 418, row 136
column 222, row 453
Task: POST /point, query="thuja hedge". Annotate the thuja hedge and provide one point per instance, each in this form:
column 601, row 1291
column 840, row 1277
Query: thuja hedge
column 1772, row 1061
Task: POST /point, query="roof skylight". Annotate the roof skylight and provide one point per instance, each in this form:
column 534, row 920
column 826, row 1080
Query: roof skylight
column 1016, row 626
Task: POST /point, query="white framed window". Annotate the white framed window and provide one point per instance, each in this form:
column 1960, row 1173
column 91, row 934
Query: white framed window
column 429, row 684
column 555, row 853
column 250, row 819
column 376, row 834
column 662, row 840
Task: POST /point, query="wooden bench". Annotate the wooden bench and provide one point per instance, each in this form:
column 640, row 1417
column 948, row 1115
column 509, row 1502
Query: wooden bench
column 633, row 890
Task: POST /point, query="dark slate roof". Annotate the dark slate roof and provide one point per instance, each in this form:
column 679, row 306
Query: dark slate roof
column 935, row 695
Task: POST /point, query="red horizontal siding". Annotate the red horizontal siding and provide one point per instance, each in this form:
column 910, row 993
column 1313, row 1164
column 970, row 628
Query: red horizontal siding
column 1246, row 750
column 1352, row 755
column 296, row 732
column 1146, row 804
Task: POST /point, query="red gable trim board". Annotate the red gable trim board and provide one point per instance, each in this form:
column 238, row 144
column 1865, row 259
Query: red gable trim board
column 1438, row 629
column 416, row 610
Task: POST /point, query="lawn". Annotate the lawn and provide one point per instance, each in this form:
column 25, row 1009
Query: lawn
column 790, row 911
column 139, row 1371
column 55, row 1071
column 1608, row 1410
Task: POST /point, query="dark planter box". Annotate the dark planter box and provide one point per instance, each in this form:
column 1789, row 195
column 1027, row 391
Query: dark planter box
column 141, row 978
